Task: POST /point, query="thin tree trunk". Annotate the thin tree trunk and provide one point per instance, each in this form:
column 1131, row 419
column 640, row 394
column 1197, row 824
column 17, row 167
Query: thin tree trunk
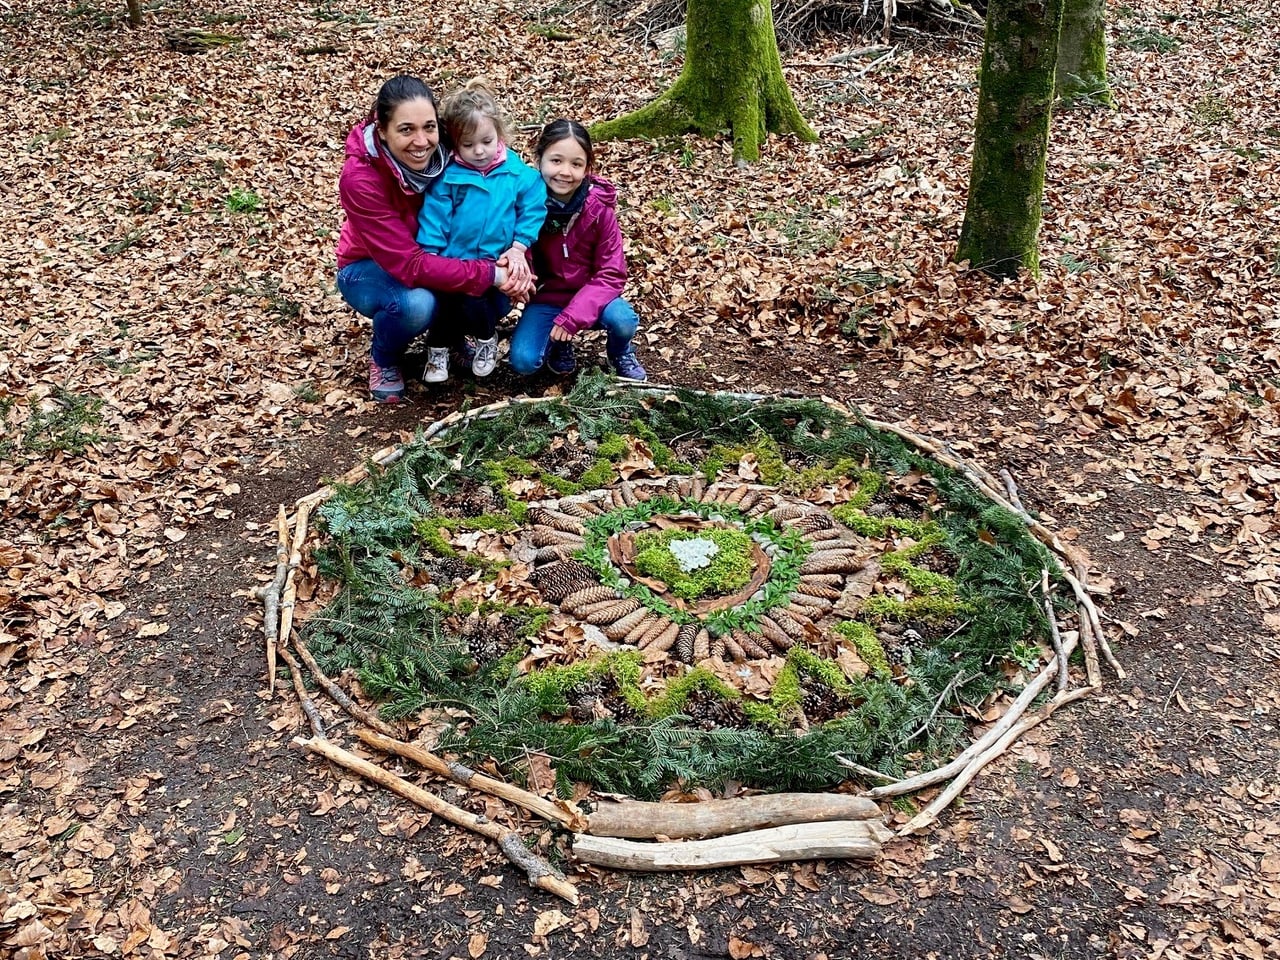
column 732, row 79
column 1082, row 53
column 135, row 12
column 1011, row 136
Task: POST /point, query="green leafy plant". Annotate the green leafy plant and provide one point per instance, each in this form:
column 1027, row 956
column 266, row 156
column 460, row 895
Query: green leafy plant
column 243, row 201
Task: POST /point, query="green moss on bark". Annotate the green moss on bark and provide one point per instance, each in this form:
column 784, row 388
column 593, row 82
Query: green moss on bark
column 1011, row 137
column 732, row 80
column 1082, row 54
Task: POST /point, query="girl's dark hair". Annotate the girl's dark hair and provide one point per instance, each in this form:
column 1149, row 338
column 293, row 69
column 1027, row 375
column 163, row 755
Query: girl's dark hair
column 399, row 89
column 558, row 130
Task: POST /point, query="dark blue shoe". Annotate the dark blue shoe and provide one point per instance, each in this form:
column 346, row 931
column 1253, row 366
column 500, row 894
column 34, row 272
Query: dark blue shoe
column 628, row 367
column 560, row 358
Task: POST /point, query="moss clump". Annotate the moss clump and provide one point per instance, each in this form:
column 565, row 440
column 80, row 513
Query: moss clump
column 727, row 569
column 599, row 474
column 860, row 522
column 613, row 447
column 866, row 643
column 680, row 689
column 881, row 608
column 764, row 449
column 431, row 531
column 803, row 481
column 550, row 687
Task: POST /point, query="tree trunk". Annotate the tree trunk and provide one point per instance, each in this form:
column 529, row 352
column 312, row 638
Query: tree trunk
column 1082, row 53
column 135, row 12
column 1011, row 137
column 732, row 79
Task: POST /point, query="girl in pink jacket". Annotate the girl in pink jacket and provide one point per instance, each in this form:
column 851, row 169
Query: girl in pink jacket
column 579, row 263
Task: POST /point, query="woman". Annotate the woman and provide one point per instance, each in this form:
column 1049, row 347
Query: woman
column 392, row 157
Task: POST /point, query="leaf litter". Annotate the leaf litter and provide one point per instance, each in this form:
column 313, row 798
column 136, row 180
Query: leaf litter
column 176, row 363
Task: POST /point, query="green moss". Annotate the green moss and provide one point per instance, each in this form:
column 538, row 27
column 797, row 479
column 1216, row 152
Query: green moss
column 866, row 643
column 728, row 570
column 764, row 449
column 612, row 447
column 679, row 690
column 860, row 522
column 429, row 530
column 599, row 474
column 825, row 672
column 551, row 686
column 818, row 476
column 881, row 608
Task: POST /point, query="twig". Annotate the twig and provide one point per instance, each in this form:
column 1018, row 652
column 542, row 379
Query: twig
column 865, row 771
column 540, row 873
column 304, row 698
column 339, row 696
column 957, row 681
column 1173, row 691
column 1012, row 488
column 1054, row 635
column 943, row 800
column 565, row 815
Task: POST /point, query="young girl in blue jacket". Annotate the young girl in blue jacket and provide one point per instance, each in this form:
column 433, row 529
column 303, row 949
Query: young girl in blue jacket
column 487, row 205
column 579, row 260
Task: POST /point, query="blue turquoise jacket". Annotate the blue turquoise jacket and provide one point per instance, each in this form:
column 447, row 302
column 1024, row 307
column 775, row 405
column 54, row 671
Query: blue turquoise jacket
column 476, row 216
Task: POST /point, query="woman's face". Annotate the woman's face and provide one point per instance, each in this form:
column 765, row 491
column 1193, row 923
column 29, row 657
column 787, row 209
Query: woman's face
column 412, row 133
column 563, row 165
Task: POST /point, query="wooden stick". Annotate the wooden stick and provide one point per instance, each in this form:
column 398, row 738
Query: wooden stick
column 714, row 818
column 835, row 839
column 291, row 580
column 339, row 696
column 308, row 705
column 270, row 597
column 566, row 815
column 540, row 873
column 930, row 777
column 1054, row 636
column 939, row 803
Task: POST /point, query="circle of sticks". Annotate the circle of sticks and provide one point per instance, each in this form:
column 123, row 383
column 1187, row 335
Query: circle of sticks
column 752, row 829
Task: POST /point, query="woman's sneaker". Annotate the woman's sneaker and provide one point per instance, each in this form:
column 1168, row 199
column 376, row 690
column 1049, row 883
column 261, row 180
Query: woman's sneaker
column 437, row 369
column 628, row 367
column 385, row 383
column 486, row 358
column 560, row 358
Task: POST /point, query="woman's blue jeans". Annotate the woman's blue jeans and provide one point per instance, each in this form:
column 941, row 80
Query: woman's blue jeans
column 399, row 313
column 532, row 334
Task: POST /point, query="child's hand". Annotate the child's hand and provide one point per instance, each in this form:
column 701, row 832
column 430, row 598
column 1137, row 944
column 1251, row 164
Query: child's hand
column 510, row 282
column 516, row 264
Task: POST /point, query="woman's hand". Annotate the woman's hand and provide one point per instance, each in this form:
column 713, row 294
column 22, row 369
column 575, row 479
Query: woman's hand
column 506, row 277
column 560, row 334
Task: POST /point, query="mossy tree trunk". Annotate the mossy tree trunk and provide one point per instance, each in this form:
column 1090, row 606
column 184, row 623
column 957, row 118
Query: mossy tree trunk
column 1082, row 53
column 732, row 80
column 1011, row 136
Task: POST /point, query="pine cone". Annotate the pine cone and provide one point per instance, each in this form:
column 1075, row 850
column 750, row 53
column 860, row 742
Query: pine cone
column 557, row 580
column 685, row 641
column 580, row 599
column 555, row 519
column 609, row 611
column 617, row 631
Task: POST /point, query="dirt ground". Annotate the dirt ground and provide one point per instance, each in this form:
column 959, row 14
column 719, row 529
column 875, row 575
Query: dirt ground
column 151, row 804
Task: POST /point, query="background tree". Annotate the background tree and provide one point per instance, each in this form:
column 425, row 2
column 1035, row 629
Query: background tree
column 135, row 12
column 1011, row 136
column 732, row 79
column 1082, row 52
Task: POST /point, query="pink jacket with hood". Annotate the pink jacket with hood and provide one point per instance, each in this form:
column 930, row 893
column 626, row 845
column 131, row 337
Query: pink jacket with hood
column 382, row 223
column 582, row 269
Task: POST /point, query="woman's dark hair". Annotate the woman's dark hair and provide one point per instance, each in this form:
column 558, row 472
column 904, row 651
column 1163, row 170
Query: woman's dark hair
column 558, row 130
column 399, row 89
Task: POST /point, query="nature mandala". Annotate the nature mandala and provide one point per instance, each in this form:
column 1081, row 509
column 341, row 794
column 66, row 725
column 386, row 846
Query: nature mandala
column 659, row 592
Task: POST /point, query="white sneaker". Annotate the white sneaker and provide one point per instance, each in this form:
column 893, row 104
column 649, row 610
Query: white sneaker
column 486, row 358
column 437, row 369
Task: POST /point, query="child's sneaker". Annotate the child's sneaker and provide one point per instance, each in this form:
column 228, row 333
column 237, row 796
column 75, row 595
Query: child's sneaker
column 437, row 369
column 628, row 367
column 385, row 383
column 560, row 358
column 467, row 351
column 486, row 358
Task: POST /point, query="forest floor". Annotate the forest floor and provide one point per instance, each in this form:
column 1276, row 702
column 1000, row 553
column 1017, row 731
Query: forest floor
column 176, row 364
